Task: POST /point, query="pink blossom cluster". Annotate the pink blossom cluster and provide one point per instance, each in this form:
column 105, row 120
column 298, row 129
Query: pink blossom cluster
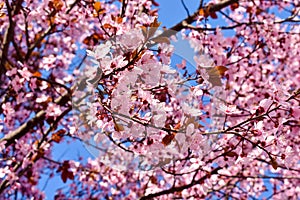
column 103, row 73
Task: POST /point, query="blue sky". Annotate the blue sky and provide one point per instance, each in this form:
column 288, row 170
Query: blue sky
column 172, row 12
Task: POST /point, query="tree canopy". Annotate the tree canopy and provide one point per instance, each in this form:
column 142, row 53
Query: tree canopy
column 220, row 123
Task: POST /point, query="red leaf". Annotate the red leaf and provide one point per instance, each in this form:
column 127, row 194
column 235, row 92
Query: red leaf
column 56, row 137
column 153, row 180
column 56, row 4
column 37, row 74
column 153, row 27
column 107, row 26
column 65, row 173
column 177, row 126
column 161, row 40
column 97, row 6
column 274, row 163
column 213, row 15
column 64, row 177
column 221, row 69
column 234, row 6
column 232, row 154
column 168, row 139
column 155, row 3
column 119, row 127
column 203, row 12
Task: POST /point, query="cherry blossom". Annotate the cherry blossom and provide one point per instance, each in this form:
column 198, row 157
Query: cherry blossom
column 105, row 75
column 204, row 60
column 100, row 51
column 228, row 109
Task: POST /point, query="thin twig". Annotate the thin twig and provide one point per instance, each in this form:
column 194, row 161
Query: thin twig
column 185, row 8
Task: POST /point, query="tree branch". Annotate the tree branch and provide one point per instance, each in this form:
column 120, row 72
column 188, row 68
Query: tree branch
column 190, row 19
column 26, row 127
column 180, row 188
column 8, row 37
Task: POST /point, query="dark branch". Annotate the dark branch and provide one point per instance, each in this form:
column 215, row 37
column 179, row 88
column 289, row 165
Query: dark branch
column 189, row 20
column 180, row 188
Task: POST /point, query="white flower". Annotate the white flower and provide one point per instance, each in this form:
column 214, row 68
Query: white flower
column 204, row 60
column 167, row 69
column 228, row 109
column 100, row 51
column 190, row 129
column 94, row 75
column 4, row 172
column 266, row 103
column 196, row 45
column 131, row 39
column 189, row 110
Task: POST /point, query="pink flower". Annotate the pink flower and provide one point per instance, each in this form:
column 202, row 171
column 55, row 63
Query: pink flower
column 190, row 129
column 182, row 65
column 258, row 128
column 100, row 51
column 4, row 171
column 131, row 39
column 17, row 83
column 2, row 144
column 12, row 72
column 33, row 84
column 204, row 60
column 296, row 112
column 229, row 109
column 53, row 110
column 25, row 73
column 48, row 62
column 166, row 53
column 42, row 98
column 190, row 110
column 166, row 69
column 8, row 109
column 266, row 103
